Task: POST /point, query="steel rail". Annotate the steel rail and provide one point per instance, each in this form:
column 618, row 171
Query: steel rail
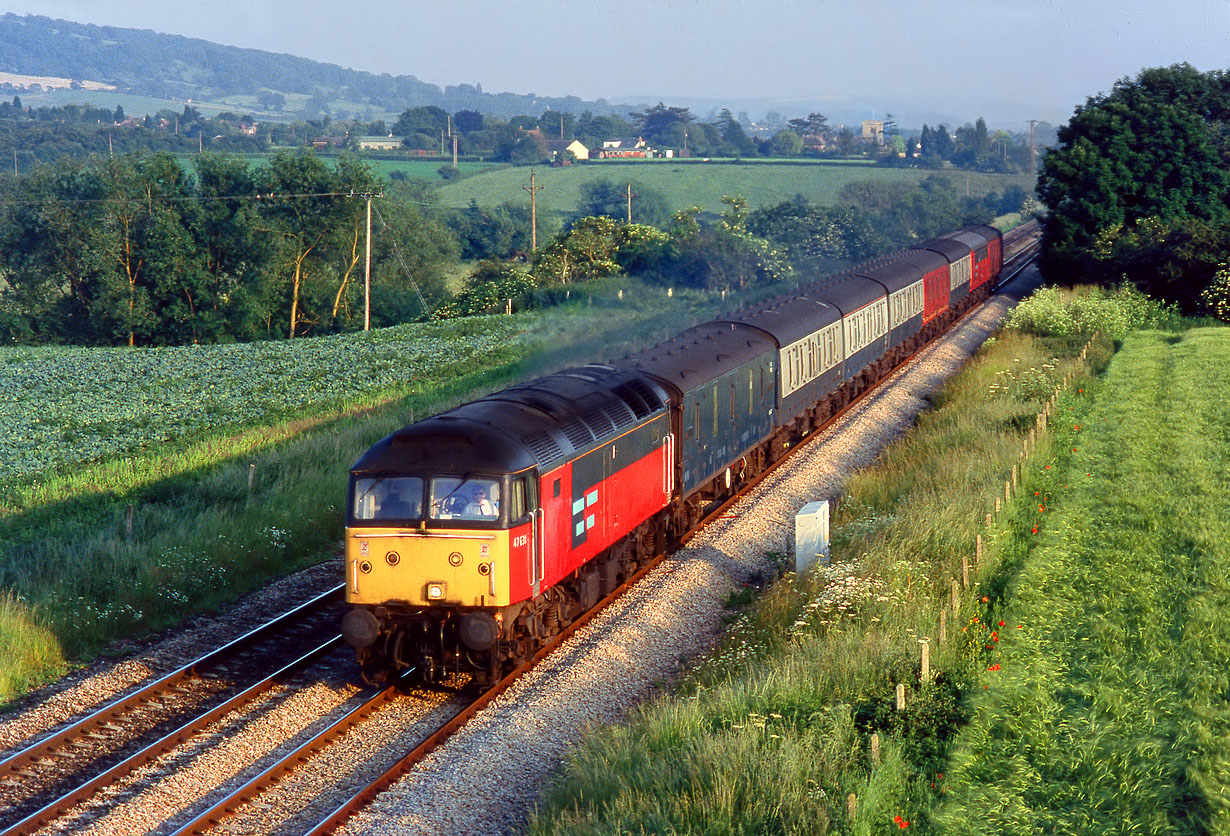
column 33, row 822
column 168, row 682
column 215, row 813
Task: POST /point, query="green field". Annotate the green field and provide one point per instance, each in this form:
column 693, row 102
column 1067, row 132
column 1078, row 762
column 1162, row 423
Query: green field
column 684, row 184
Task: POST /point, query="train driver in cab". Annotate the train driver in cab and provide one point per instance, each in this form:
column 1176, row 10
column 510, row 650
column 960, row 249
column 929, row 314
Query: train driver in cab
column 480, row 505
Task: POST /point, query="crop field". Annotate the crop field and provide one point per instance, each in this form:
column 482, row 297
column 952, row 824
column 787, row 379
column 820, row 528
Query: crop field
column 67, row 406
column 703, row 184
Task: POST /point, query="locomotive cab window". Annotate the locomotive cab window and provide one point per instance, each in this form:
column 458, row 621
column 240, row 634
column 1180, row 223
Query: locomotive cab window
column 397, row 498
column 519, row 499
column 475, row 498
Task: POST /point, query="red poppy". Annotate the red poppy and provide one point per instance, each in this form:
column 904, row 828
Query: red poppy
column 1001, row 624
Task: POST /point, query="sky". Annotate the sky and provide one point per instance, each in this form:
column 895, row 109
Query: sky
column 1024, row 58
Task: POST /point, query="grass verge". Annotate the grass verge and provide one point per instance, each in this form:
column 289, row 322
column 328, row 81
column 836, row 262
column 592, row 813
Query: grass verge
column 1106, row 711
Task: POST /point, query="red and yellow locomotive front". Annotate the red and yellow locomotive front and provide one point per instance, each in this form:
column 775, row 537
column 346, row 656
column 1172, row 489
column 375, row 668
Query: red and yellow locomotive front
column 433, row 562
column 473, row 536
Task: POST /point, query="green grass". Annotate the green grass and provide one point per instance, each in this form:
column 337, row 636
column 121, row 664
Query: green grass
column 771, row 734
column 684, row 184
column 1109, row 712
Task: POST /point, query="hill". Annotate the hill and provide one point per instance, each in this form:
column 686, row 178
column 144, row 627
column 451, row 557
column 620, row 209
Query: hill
column 145, row 63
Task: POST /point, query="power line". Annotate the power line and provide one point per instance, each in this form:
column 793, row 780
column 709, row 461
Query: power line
column 272, row 196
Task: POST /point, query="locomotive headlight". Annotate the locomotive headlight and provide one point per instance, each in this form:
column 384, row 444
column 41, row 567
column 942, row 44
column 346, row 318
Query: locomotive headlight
column 435, row 591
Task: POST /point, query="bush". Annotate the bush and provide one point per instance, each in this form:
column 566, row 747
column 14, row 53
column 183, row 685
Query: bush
column 1215, row 299
column 1051, row 312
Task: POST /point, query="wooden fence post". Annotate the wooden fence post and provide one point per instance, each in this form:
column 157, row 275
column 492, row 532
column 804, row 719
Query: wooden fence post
column 901, row 696
column 943, row 626
column 926, row 660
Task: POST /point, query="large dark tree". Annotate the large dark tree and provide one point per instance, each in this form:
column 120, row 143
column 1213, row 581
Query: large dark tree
column 1134, row 166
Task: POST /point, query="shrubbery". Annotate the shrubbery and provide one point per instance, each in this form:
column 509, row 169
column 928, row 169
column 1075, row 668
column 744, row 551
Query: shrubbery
column 1052, row 312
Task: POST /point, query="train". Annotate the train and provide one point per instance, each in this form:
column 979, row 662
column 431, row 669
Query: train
column 474, row 536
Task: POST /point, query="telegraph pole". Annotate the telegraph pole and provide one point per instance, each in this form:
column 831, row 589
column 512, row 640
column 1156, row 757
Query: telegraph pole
column 533, row 190
column 367, row 271
column 1033, row 149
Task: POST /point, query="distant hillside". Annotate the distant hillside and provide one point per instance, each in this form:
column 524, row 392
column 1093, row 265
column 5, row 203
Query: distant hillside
column 147, row 63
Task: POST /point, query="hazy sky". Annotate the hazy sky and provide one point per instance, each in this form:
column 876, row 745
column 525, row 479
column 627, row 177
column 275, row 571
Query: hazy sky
column 1044, row 56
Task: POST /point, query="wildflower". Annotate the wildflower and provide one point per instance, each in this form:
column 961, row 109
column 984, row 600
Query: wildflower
column 1001, row 624
column 985, row 599
column 994, row 667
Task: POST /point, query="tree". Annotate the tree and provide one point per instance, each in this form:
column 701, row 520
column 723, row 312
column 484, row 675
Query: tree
column 725, row 255
column 816, row 124
column 736, row 140
column 234, row 250
column 1132, row 164
column 787, row 143
column 301, row 211
column 655, row 122
column 465, row 121
column 584, row 251
column 429, row 120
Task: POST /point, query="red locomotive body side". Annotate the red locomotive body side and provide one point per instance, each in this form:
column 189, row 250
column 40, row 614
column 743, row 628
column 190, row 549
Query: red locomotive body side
column 519, row 566
column 582, row 517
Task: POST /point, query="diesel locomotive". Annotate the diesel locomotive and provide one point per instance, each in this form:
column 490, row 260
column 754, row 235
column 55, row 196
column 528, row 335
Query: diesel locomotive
column 475, row 535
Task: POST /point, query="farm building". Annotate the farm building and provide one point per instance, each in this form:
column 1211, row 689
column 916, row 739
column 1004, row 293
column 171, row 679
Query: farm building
column 380, row 143
column 555, row 147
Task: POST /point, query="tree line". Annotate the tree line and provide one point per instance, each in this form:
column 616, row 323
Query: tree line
column 137, row 249
column 45, row 133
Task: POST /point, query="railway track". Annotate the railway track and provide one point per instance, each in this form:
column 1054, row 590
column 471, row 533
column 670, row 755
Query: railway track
column 19, row 767
column 70, row 764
